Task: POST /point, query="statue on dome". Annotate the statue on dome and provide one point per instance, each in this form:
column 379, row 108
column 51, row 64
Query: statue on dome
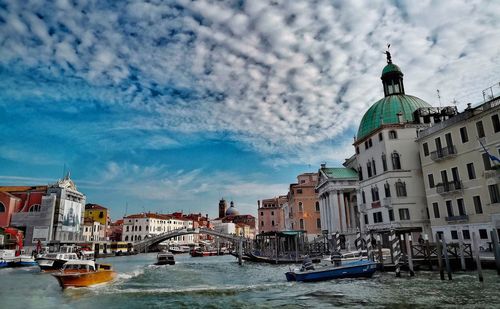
column 388, row 54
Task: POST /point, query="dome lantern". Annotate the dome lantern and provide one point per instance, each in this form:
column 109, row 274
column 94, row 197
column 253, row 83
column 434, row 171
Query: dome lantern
column 392, row 78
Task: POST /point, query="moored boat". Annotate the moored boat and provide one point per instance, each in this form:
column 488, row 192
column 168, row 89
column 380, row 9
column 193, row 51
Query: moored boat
column 55, row 261
column 83, row 273
column 201, row 252
column 353, row 269
column 179, row 249
column 165, row 258
column 23, row 261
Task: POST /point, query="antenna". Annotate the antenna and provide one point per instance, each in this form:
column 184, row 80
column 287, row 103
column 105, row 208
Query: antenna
column 439, row 97
column 126, row 209
column 64, row 171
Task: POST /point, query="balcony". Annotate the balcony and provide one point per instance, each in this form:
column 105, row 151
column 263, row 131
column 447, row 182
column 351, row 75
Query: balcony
column 449, row 187
column 444, row 153
column 376, row 204
column 455, row 219
column 495, row 173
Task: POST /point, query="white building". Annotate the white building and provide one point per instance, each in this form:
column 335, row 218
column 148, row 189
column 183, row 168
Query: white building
column 93, row 231
column 224, row 227
column 139, row 226
column 391, row 192
column 461, row 181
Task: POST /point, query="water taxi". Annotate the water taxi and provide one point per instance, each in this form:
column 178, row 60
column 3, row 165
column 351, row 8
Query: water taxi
column 84, row 273
column 55, row 261
column 165, row 258
column 179, row 249
column 353, row 269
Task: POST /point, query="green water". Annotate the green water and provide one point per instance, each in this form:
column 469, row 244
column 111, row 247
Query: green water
column 219, row 282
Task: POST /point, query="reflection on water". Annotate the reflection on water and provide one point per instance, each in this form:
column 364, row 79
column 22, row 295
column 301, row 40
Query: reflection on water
column 215, row 282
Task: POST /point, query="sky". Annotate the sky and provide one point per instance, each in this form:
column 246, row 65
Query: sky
column 168, row 106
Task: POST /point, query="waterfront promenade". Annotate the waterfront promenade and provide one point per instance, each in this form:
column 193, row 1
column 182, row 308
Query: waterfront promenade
column 218, row 282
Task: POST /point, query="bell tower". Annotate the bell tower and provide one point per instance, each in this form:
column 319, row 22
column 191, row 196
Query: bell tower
column 222, row 208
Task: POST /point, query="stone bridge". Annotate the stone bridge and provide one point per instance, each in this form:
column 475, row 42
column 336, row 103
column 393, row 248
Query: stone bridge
column 141, row 246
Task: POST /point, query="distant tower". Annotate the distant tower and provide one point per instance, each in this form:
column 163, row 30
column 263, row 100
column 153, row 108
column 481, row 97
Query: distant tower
column 222, row 208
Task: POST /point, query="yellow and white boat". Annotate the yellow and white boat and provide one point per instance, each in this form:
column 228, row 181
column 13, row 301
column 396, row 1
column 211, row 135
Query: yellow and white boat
column 81, row 273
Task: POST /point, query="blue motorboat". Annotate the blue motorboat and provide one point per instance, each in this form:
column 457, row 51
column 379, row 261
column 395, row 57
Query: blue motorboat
column 353, row 269
column 3, row 263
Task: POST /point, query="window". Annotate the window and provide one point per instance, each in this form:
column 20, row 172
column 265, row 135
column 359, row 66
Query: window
column 494, row 194
column 375, row 196
column 140, row 228
column 370, row 142
column 366, row 145
column 299, row 191
column 126, row 238
column 34, row 208
column 262, row 213
column 486, row 162
column 377, row 217
column 404, row 214
column 360, row 173
column 435, row 207
column 466, row 234
column 431, row 180
column 357, row 150
column 301, row 224
column 387, row 189
column 101, row 215
column 317, row 206
column 477, row 204
column 449, row 208
column 400, row 188
column 381, row 136
column 301, row 207
column 272, row 213
column 496, row 123
column 483, row 234
column 427, row 212
column 480, row 129
column 449, row 141
column 461, row 207
column 426, row 149
column 471, row 171
column 272, row 222
column 366, row 218
column 363, row 197
column 396, row 164
column 374, row 168
column 463, row 135
column 384, row 162
column 127, row 228
column 369, row 169
column 391, row 215
column 454, row 235
column 318, row 223
column 393, row 134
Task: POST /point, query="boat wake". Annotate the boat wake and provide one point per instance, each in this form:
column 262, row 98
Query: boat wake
column 129, row 275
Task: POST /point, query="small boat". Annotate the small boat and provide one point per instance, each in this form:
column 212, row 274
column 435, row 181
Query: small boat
column 353, row 269
column 165, row 258
column 84, row 273
column 3, row 263
column 55, row 261
column 201, row 252
column 23, row 261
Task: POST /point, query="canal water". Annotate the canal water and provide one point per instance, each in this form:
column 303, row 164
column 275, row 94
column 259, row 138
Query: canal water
column 219, row 282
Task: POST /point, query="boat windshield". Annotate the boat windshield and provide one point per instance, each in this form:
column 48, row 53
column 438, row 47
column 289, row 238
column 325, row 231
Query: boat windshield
column 85, row 267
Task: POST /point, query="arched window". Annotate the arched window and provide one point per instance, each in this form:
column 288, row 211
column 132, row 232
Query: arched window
column 375, row 195
column 387, row 189
column 369, row 168
column 127, row 228
column 400, row 188
column 126, row 238
column 393, row 134
column 147, row 227
column 272, row 222
column 261, row 223
column 374, row 168
column 140, row 228
column 139, row 238
column 317, row 206
column 34, row 208
column 301, row 224
column 301, row 207
column 360, row 173
column 384, row 162
column 396, row 163
column 2, row 207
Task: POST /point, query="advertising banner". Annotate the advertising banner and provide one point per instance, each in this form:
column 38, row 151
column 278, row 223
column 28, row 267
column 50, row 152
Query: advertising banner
column 40, row 233
column 72, row 212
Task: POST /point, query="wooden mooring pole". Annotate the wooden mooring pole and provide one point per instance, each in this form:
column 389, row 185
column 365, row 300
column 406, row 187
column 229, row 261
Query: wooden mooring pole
column 476, row 255
column 428, row 250
column 408, row 254
column 461, row 249
column 496, row 249
column 240, row 251
column 446, row 258
column 439, row 255
column 379, row 247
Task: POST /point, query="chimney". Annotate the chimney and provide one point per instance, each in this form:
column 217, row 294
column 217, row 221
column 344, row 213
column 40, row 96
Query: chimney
column 258, row 203
column 400, row 117
column 323, row 165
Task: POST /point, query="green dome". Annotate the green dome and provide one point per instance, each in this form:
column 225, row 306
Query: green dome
column 385, row 111
column 391, row 67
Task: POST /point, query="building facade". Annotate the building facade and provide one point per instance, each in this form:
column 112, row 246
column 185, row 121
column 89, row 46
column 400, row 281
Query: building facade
column 304, row 210
column 138, row 227
column 391, row 191
column 97, row 216
column 336, row 192
column 270, row 214
column 461, row 179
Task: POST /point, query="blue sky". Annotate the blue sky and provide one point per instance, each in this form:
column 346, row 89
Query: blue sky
column 169, row 105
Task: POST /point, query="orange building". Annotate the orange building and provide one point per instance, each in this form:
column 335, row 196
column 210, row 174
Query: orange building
column 303, row 205
column 270, row 214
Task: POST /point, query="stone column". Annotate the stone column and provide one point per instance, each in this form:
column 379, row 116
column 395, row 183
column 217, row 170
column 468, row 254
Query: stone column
column 335, row 211
column 342, row 212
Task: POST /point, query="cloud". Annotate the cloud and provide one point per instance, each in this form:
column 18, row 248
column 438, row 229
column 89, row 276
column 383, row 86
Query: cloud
column 276, row 75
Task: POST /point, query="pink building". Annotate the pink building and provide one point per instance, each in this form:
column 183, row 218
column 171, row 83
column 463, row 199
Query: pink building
column 271, row 217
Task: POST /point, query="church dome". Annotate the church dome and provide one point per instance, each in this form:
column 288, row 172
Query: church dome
column 232, row 211
column 385, row 111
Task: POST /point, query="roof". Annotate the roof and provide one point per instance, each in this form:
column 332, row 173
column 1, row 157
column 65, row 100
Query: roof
column 22, row 188
column 340, row 172
column 391, row 67
column 385, row 111
column 148, row 215
column 95, row 206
